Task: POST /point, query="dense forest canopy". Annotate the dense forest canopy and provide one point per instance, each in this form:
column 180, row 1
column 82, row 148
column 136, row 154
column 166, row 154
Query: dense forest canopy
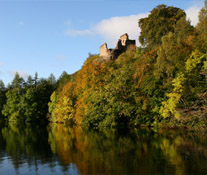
column 159, row 23
column 162, row 82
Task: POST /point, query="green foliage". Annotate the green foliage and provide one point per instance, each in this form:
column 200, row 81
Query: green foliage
column 63, row 79
column 159, row 23
column 169, row 107
column 52, row 105
column 193, row 69
column 61, row 106
column 2, row 96
column 13, row 107
column 51, row 79
column 204, row 71
column 195, row 59
column 174, row 51
column 114, row 103
column 201, row 39
column 27, row 101
column 196, row 73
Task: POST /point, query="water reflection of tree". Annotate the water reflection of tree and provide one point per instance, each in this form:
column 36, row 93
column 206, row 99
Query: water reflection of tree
column 138, row 151
column 2, row 144
column 186, row 151
column 26, row 144
column 135, row 152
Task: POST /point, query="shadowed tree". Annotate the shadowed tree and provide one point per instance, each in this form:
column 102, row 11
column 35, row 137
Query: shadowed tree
column 160, row 22
column 51, row 79
column 2, row 96
column 175, row 48
column 202, row 27
column 13, row 109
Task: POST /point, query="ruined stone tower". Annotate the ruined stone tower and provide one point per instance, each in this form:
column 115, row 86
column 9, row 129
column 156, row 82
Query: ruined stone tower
column 123, row 43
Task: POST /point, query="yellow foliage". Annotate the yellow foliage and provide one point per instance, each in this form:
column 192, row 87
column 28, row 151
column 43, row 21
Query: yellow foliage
column 172, row 154
column 169, row 107
column 195, row 58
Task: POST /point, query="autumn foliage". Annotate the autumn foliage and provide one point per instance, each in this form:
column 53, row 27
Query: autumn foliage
column 143, row 86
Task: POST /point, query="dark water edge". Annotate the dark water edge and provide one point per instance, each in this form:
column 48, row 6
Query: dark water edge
column 60, row 149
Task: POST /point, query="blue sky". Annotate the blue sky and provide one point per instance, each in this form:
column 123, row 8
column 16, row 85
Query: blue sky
column 51, row 36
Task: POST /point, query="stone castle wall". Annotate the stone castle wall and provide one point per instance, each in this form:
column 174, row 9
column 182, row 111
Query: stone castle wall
column 121, row 47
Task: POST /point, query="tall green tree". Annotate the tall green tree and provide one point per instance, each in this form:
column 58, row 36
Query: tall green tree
column 13, row 108
column 159, row 23
column 202, row 26
column 18, row 82
column 175, row 48
column 30, row 81
column 51, row 79
column 35, row 100
column 2, row 96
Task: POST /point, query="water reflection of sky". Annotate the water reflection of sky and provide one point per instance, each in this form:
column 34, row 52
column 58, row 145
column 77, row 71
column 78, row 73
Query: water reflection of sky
column 7, row 168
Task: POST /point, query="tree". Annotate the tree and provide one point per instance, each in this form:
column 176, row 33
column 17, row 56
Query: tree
column 13, row 108
column 18, row 82
column 30, row 81
column 52, row 107
column 64, row 79
column 2, row 96
column 160, row 22
column 202, row 26
column 188, row 83
column 2, row 86
column 36, row 79
column 175, row 48
column 51, row 79
column 28, row 103
column 61, row 106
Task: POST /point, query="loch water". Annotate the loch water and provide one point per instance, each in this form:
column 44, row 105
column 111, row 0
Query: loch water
column 58, row 149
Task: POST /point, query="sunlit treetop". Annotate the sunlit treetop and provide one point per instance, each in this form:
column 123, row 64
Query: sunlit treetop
column 160, row 22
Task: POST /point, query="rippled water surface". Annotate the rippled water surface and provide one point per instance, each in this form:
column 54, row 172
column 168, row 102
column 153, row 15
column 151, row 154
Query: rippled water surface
column 57, row 149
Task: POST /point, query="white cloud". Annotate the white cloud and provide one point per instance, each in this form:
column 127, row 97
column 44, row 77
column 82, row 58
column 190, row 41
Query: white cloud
column 112, row 28
column 21, row 73
column 1, row 64
column 192, row 14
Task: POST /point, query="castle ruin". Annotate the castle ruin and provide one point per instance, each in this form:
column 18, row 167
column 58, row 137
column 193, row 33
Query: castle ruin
column 123, row 43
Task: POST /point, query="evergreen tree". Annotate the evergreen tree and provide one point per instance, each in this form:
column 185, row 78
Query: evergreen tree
column 202, row 28
column 51, row 79
column 30, row 81
column 18, row 82
column 2, row 96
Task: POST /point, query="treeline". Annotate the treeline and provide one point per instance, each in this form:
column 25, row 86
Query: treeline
column 163, row 81
column 27, row 101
